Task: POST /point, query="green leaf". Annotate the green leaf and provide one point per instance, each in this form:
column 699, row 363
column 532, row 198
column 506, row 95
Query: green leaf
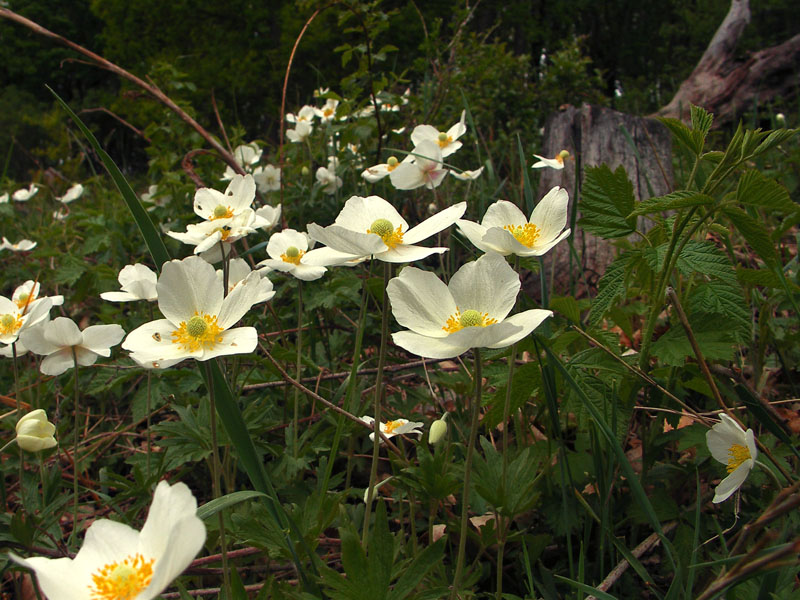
column 725, row 300
column 611, row 288
column 713, row 336
column 526, row 381
column 585, row 588
column 671, row 201
column 683, row 135
column 754, row 233
column 705, row 258
column 424, row 562
column 211, row 508
column 754, row 189
column 762, row 277
column 70, row 269
column 607, row 202
column 773, row 139
column 701, row 120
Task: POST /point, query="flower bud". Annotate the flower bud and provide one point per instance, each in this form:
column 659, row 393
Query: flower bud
column 780, row 119
column 305, row 171
column 35, row 432
column 438, row 430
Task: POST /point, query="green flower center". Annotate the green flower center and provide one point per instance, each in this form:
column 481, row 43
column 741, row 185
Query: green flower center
column 221, row 211
column 471, row 318
column 381, row 227
column 292, row 252
column 196, row 326
column 7, row 321
column 391, row 162
column 442, row 136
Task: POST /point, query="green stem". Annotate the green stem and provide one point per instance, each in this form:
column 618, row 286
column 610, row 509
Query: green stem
column 376, row 443
column 771, row 475
column 473, row 434
column 299, row 364
column 17, row 390
column 76, row 470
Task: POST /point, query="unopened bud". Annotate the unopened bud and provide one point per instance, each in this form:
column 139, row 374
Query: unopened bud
column 438, row 430
column 35, row 432
column 305, row 171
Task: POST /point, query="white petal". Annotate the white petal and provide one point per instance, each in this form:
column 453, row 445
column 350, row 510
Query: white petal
column 504, row 240
column 186, row 287
column 326, row 257
column 420, row 133
column 100, row 338
column 239, row 301
column 487, row 285
column 434, row 224
column 427, row 347
column 421, row 302
column 358, row 214
column 57, row 577
column 407, row 176
column 474, row 233
column 84, row 357
column 62, row 331
column 503, row 213
column 152, row 342
column 550, row 214
column 239, row 340
column 206, row 200
column 406, row 254
column 528, row 321
column 732, row 482
column 347, row 241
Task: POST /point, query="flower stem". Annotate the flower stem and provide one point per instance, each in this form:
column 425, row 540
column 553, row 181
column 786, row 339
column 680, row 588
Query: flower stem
column 473, row 434
column 376, row 443
column 75, row 469
column 299, row 342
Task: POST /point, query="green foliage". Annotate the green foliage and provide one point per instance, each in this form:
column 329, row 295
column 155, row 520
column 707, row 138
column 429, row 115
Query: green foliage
column 607, row 203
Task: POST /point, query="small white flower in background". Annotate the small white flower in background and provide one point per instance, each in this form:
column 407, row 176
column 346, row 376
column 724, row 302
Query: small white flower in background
column 554, row 163
column 73, row 193
column 287, row 253
column 328, row 111
column 372, row 227
column 321, row 91
column 35, row 432
column 378, row 172
column 199, row 319
column 444, row 321
column 56, row 340
column 306, row 115
column 117, row 562
column 395, row 427
column 208, row 234
column 732, row 446
column 267, row 178
column 25, row 194
column 60, row 214
column 4, row 198
column 268, row 216
column 138, row 282
column 425, row 168
column 238, row 272
column 246, row 156
column 333, row 163
column 20, row 246
column 447, row 140
column 467, row 175
column 328, row 179
column 27, row 294
column 504, row 228
column 153, row 197
column 300, row 133
column 210, row 204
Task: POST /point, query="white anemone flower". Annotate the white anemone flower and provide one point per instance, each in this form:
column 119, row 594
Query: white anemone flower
column 138, row 282
column 58, row 339
column 467, row 175
column 395, row 427
column 267, row 178
column 444, row 321
column 73, row 193
column 553, row 163
column 327, row 113
column 372, row 226
column 210, row 204
column 328, row 179
column 447, row 140
column 306, row 115
column 28, row 294
column 208, row 234
column 117, row 562
column 287, row 253
column 424, row 170
column 246, row 156
column 734, row 447
column 378, row 172
column 199, row 318
column 269, row 216
column 505, row 230
column 4, row 198
column 25, row 194
column 238, row 272
column 20, row 246
column 16, row 319
column 300, row 133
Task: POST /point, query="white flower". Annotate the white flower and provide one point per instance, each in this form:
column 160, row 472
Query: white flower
column 60, row 214
column 300, row 133
column 117, row 562
column 20, row 246
column 23, row 195
column 287, row 253
column 210, row 204
column 554, row 163
column 15, row 319
column 396, row 427
column 378, row 172
column 238, row 272
column 446, row 140
column 73, row 193
column 424, row 169
column 504, row 228
column 138, row 282
column 153, row 197
column 245, row 156
column 306, row 115
column 28, row 294
column 327, row 112
column 268, row 216
column 206, row 235
column 371, row 226
column 268, row 178
column 4, row 198
column 328, row 179
column 35, row 432
column 56, row 340
column 469, row 312
column 198, row 319
column 732, row 446
column 467, row 175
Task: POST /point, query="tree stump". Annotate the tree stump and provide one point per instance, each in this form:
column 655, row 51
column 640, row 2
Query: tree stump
column 596, row 135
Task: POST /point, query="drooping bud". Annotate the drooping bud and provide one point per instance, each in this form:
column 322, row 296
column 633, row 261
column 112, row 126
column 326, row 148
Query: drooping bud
column 438, row 430
column 35, row 432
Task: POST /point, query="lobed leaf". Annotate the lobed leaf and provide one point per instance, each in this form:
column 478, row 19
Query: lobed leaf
column 607, row 202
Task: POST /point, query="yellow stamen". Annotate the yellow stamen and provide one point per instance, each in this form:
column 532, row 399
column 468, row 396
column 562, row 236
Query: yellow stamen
column 292, row 255
column 737, row 455
column 201, row 331
column 444, row 139
column 10, row 323
column 469, row 318
column 384, row 228
column 221, row 212
column 392, row 425
column 525, row 234
column 122, row 580
column 391, row 163
column 24, row 299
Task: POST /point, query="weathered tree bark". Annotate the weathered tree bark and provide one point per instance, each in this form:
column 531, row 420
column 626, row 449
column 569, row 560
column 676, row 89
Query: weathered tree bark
column 727, row 87
column 596, row 135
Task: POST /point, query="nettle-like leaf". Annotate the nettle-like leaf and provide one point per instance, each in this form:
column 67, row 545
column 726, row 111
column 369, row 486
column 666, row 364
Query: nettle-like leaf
column 671, row 201
column 713, row 335
column 607, row 203
column 707, row 259
column 611, row 287
column 701, row 120
column 723, row 299
column 754, row 189
column 754, row 234
column 693, row 141
column 762, row 277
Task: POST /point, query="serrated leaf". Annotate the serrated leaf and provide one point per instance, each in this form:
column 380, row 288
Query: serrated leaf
column 567, row 306
column 726, row 300
column 762, row 277
column 712, row 335
column 754, row 233
column 755, row 189
column 611, row 288
column 705, row 258
column 671, row 201
column 527, row 379
column 773, row 139
column 69, row 270
column 682, row 134
column 701, row 120
column 606, row 202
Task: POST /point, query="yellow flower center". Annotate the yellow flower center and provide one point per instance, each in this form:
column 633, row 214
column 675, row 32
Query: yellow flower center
column 443, row 139
column 221, row 212
column 469, row 318
column 737, row 454
column 201, row 331
column 225, row 230
column 384, row 228
column 391, row 163
column 23, row 300
column 525, row 234
column 122, row 580
column 10, row 323
column 292, row 255
column 327, row 112
column 392, row 425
